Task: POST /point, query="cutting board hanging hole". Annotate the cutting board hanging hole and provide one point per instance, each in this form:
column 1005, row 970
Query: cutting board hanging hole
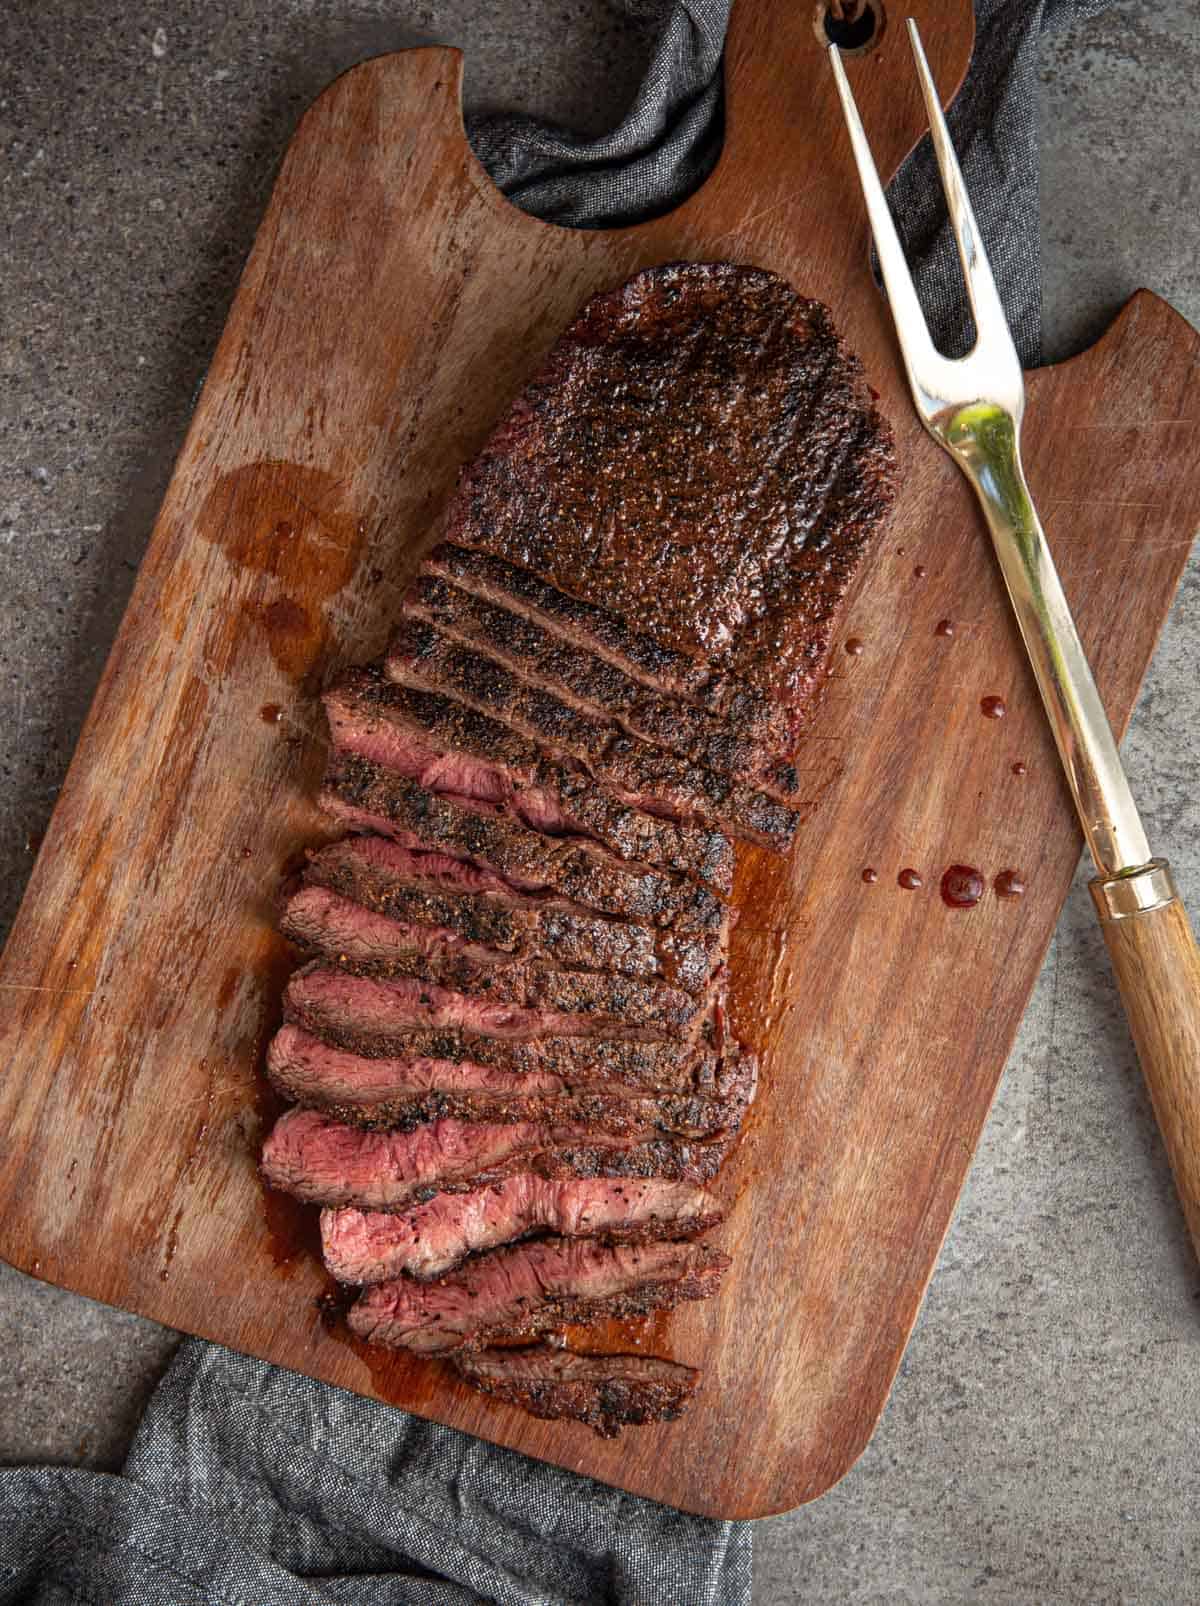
column 854, row 26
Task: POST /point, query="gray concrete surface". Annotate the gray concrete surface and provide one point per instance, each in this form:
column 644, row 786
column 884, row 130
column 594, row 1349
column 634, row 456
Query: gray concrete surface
column 1041, row 1443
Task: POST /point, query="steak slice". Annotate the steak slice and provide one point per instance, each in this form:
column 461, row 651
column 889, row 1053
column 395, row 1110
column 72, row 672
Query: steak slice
column 372, row 798
column 531, row 1288
column 606, row 1392
column 563, row 1003
column 364, row 943
column 456, row 750
column 315, row 1158
column 475, row 910
column 370, row 1246
column 312, row 1071
column 595, row 685
column 648, row 778
column 616, row 1111
column 699, row 452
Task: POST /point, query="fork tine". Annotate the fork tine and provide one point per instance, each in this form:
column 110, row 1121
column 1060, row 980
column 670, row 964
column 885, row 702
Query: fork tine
column 991, row 326
column 915, row 342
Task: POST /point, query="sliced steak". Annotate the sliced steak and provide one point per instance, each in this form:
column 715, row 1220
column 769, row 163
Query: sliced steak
column 470, row 908
column 372, row 798
column 323, row 1161
column 606, row 1392
column 457, row 751
column 364, row 943
column 646, row 777
column 595, row 685
column 618, row 1112
column 562, row 1003
column 370, row 1246
column 701, row 453
column 312, row 1071
column 751, row 714
column 531, row 1288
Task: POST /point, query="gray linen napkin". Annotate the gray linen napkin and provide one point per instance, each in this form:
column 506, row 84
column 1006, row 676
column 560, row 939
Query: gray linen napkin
column 251, row 1486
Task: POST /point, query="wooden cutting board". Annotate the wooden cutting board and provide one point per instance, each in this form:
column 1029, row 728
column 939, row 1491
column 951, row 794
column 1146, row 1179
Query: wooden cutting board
column 391, row 308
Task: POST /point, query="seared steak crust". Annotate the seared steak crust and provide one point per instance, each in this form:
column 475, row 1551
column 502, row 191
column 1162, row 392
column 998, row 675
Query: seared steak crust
column 363, row 943
column 482, row 915
column 455, row 749
column 642, row 775
column 314, row 1071
column 751, row 713
column 531, row 1288
column 338, row 995
column 606, row 1392
column 595, row 685
column 370, row 1246
column 366, row 795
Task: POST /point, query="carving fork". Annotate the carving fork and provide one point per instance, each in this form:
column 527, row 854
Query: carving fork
column 973, row 408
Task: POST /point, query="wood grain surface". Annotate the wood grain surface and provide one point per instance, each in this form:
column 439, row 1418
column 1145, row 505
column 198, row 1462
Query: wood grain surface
column 391, row 308
column 1157, row 966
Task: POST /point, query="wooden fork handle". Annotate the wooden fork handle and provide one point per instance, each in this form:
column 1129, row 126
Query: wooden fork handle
column 1157, row 964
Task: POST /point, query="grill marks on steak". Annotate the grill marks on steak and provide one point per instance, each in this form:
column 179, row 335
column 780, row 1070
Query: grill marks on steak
column 369, row 945
column 371, row 798
column 322, row 1161
column 371, row 1246
column 456, row 750
column 699, row 452
column 529, row 1289
column 595, row 685
column 477, row 911
column 649, row 778
column 605, row 1392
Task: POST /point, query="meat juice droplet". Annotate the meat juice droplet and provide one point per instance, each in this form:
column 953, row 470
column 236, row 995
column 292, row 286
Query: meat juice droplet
column 944, row 627
column 962, row 886
column 869, row 875
column 920, row 572
column 247, row 852
column 270, row 713
column 909, row 880
column 1008, row 884
column 993, row 707
column 1019, row 768
column 284, row 531
column 854, row 647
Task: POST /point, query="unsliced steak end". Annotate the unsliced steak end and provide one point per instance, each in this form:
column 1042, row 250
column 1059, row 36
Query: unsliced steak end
column 532, row 1288
column 323, row 1161
column 739, row 557
column 370, row 1246
column 605, row 1392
